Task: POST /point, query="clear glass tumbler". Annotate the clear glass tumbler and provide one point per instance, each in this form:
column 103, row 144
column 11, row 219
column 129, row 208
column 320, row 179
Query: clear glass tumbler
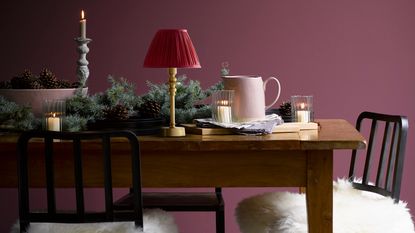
column 222, row 106
column 302, row 108
column 53, row 111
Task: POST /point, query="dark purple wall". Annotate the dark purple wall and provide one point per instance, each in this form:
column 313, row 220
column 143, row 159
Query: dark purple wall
column 351, row 55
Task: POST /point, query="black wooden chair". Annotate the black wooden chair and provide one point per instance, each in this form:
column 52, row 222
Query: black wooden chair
column 181, row 201
column 368, row 199
column 52, row 214
column 390, row 155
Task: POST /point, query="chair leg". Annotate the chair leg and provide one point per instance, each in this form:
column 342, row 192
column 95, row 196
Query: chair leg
column 220, row 220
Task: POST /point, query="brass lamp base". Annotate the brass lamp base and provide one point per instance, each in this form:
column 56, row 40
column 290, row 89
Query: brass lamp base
column 173, row 132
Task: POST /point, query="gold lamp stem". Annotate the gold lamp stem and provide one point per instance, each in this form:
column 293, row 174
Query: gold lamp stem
column 172, row 89
column 173, row 131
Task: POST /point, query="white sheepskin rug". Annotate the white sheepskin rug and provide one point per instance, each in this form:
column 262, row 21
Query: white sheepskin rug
column 155, row 221
column 354, row 211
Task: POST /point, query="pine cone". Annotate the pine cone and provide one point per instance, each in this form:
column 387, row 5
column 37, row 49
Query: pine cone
column 150, row 109
column 35, row 84
column 48, row 79
column 64, row 84
column 118, row 112
column 23, row 81
column 285, row 109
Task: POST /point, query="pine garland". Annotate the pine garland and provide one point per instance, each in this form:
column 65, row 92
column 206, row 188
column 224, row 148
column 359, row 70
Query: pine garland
column 120, row 92
column 74, row 123
column 83, row 106
column 17, row 117
column 82, row 109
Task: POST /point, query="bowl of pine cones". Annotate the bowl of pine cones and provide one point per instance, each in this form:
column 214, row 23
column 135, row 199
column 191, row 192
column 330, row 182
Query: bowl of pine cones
column 32, row 90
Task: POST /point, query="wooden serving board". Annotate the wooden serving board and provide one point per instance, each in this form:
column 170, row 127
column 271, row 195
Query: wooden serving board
column 289, row 127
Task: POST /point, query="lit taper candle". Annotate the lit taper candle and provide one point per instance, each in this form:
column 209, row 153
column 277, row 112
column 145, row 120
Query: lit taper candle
column 82, row 24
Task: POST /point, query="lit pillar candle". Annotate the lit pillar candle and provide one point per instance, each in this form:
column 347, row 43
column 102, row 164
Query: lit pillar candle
column 302, row 115
column 82, row 24
column 224, row 112
column 53, row 123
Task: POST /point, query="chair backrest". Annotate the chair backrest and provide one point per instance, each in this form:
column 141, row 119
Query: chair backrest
column 384, row 157
column 80, row 215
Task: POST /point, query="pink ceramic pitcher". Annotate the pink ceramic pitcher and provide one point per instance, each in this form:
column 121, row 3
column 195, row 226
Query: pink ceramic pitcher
column 249, row 98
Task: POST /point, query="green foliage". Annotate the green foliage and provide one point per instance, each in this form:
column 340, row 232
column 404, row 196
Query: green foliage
column 203, row 111
column 82, row 109
column 120, row 92
column 217, row 87
column 188, row 95
column 74, row 123
column 91, row 107
column 83, row 106
column 17, row 117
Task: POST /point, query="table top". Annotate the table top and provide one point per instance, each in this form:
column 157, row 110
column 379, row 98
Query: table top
column 189, row 161
column 332, row 134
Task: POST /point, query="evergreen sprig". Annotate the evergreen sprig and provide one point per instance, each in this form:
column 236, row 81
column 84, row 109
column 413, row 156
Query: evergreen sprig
column 121, row 92
column 74, row 123
column 188, row 95
column 17, row 117
column 84, row 106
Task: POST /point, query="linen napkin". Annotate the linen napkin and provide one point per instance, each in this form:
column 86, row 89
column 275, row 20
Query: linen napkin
column 259, row 127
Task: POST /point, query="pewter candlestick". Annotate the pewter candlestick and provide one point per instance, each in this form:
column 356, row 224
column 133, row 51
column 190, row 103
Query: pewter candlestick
column 82, row 70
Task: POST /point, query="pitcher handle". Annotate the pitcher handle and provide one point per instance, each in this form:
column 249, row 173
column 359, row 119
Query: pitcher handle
column 279, row 91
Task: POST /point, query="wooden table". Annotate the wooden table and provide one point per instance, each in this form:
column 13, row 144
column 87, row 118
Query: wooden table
column 302, row 159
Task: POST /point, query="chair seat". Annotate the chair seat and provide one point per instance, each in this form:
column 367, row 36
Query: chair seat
column 354, row 211
column 174, row 201
column 155, row 221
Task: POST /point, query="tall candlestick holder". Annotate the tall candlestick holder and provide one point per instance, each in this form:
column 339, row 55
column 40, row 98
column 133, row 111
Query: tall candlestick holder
column 82, row 70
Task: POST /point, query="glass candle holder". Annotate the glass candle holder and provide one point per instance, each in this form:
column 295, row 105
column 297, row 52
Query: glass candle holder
column 54, row 111
column 222, row 106
column 302, row 108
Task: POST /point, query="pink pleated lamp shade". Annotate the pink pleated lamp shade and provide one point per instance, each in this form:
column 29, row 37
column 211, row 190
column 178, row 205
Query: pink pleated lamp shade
column 171, row 48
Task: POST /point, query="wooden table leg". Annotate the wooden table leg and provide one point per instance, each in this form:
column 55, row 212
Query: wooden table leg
column 319, row 192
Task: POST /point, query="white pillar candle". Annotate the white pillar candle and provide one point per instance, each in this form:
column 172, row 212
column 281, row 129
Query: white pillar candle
column 82, row 24
column 224, row 114
column 53, row 123
column 302, row 116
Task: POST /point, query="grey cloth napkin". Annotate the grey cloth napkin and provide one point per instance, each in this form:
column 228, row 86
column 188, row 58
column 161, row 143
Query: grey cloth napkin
column 247, row 128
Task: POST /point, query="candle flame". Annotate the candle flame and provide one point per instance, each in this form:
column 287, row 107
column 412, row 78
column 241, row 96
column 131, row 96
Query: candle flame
column 224, row 102
column 82, row 14
column 302, row 106
column 53, row 114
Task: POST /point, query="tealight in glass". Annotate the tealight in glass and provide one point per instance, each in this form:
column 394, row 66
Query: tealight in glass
column 302, row 108
column 222, row 106
column 53, row 111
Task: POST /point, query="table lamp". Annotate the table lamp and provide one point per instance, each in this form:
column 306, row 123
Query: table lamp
column 172, row 49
